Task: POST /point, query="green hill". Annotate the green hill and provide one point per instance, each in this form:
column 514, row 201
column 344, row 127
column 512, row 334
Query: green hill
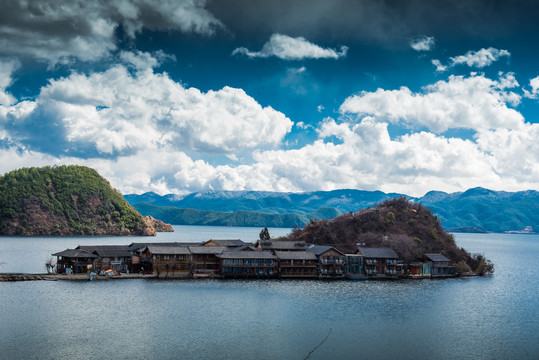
column 65, row 200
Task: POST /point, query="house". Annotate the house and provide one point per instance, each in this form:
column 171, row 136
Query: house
column 204, row 258
column 114, row 257
column 297, row 264
column 282, row 245
column 440, row 265
column 419, row 269
column 74, row 261
column 330, row 261
column 380, row 262
column 354, row 267
column 248, row 264
column 231, row 244
column 168, row 259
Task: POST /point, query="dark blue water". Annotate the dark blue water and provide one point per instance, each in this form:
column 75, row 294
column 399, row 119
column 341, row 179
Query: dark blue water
column 475, row 318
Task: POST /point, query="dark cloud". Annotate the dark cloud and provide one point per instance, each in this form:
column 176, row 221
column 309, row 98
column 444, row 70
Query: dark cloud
column 387, row 22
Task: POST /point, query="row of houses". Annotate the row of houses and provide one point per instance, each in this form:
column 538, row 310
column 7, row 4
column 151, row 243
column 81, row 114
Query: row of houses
column 237, row 259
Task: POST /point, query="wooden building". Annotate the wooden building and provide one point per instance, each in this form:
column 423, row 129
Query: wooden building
column 74, row 261
column 204, row 258
column 354, row 268
column 380, row 262
column 278, row 245
column 330, row 261
column 297, row 264
column 419, row 269
column 168, row 259
column 248, row 264
column 114, row 257
column 440, row 265
column 230, row 244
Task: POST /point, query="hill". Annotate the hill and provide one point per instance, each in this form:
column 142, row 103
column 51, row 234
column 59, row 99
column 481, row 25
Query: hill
column 178, row 216
column 477, row 210
column 409, row 228
column 65, row 200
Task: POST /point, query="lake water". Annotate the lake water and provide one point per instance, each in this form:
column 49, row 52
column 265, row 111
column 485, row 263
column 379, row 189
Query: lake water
column 475, row 318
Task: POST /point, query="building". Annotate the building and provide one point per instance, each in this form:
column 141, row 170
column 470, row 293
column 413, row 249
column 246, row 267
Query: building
column 278, row 245
column 380, row 262
column 297, row 264
column 230, row 244
column 330, row 261
column 419, row 269
column 74, row 261
column 113, row 257
column 354, row 267
column 204, row 258
column 248, row 264
column 440, row 265
column 169, row 259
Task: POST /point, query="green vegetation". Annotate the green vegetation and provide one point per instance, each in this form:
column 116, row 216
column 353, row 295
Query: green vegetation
column 65, row 200
column 409, row 228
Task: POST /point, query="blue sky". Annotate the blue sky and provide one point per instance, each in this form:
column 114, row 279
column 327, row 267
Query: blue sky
column 177, row 97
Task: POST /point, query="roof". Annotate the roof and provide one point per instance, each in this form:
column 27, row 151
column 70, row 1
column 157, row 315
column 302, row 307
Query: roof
column 245, row 247
column 207, row 249
column 320, row 249
column 295, row 255
column 247, row 255
column 113, row 252
column 226, row 242
column 138, row 246
column 168, row 250
column 436, row 257
column 75, row 253
column 283, row 245
column 378, row 253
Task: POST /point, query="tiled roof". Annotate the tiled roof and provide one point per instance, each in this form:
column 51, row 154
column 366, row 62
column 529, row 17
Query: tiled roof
column 138, row 246
column 168, row 250
column 207, row 249
column 295, row 255
column 247, row 255
column 226, row 242
column 75, row 253
column 436, row 257
column 378, row 253
column 320, row 249
column 283, row 245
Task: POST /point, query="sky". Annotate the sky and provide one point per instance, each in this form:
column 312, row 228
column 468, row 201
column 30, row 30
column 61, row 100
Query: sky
column 184, row 96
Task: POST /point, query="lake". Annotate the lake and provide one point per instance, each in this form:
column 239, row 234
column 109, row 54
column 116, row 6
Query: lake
column 474, row 318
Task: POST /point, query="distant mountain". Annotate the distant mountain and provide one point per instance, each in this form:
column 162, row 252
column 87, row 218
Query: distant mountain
column 65, row 200
column 180, row 216
column 484, row 209
column 267, row 202
column 477, row 209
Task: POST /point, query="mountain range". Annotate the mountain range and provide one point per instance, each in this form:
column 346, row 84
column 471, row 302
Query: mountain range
column 477, row 209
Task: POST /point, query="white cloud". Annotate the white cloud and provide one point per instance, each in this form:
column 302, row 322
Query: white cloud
column 58, row 32
column 422, row 43
column 534, row 93
column 289, row 48
column 439, row 66
column 474, row 102
column 116, row 113
column 7, row 68
column 320, row 108
column 480, row 58
column 142, row 60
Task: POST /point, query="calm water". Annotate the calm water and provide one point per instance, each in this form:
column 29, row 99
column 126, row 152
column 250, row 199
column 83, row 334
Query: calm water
column 476, row 318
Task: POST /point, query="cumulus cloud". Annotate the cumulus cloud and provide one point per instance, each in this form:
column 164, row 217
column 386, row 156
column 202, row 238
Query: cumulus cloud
column 422, row 43
column 140, row 60
column 59, row 31
column 480, row 58
column 474, row 102
column 534, row 85
column 117, row 113
column 7, row 68
column 289, row 48
column 439, row 66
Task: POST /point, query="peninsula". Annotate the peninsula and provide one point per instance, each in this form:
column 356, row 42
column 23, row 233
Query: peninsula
column 66, row 200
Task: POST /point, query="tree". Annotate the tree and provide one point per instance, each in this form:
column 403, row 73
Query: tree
column 265, row 235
